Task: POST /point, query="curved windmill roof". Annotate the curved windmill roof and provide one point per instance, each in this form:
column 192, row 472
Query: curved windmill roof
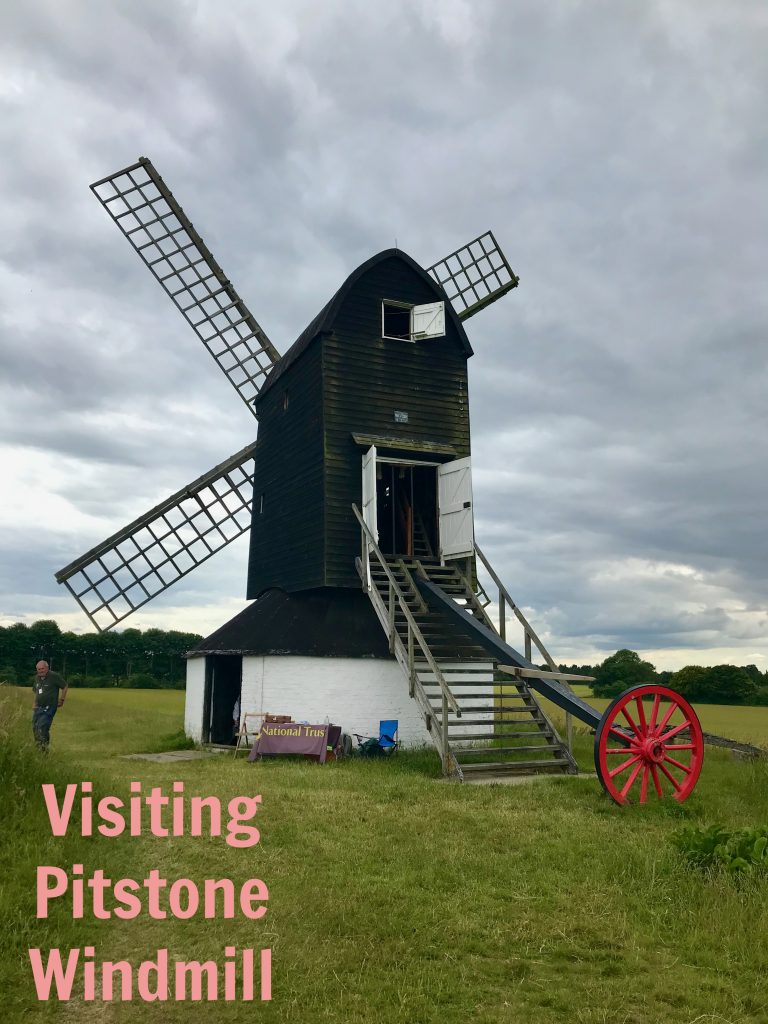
column 323, row 322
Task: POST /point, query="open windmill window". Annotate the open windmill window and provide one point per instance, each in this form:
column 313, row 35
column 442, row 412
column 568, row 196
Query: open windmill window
column 406, row 322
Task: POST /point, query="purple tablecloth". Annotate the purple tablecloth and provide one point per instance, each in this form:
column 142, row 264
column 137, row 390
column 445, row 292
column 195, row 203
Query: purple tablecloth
column 293, row 738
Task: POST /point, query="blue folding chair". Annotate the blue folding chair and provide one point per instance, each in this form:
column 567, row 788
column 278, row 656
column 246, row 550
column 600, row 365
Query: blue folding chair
column 386, row 744
column 388, row 740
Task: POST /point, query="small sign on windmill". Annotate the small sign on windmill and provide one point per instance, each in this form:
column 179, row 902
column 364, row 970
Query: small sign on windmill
column 358, row 495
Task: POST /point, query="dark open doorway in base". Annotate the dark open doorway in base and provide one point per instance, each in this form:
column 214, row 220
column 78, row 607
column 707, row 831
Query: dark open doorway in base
column 223, row 678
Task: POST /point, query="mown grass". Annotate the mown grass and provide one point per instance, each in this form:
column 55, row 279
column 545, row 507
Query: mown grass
column 396, row 896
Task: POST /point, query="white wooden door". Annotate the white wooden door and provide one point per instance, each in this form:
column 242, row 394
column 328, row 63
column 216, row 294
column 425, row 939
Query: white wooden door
column 369, row 491
column 454, row 498
column 369, row 503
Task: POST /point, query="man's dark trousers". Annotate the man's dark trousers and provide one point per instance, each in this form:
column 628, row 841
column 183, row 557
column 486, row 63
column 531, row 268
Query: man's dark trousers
column 41, row 725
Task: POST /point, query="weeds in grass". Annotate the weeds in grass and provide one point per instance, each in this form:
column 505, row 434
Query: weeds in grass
column 739, row 851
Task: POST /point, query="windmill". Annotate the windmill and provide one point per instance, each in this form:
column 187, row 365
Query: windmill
column 157, row 549
column 363, row 562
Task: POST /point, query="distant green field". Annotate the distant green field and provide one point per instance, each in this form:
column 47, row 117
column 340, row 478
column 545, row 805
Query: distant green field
column 158, row 712
column 103, row 722
column 747, row 724
column 395, row 896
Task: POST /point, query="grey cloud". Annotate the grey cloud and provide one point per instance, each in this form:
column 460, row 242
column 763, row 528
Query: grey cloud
column 617, row 151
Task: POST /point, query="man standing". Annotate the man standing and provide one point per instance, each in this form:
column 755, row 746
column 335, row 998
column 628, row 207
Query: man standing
column 50, row 693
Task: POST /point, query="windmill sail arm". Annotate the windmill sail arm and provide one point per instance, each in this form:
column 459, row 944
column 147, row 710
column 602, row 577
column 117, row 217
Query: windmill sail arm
column 475, row 275
column 148, row 214
column 157, row 549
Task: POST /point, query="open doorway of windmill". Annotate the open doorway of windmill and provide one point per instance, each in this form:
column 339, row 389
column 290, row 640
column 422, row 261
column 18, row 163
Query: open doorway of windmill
column 223, row 680
column 418, row 509
column 406, row 509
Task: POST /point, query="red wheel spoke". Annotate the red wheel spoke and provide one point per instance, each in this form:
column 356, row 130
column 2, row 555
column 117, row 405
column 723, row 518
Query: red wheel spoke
column 656, row 782
column 678, row 764
column 631, row 780
column 673, row 732
column 644, row 785
column 628, row 717
column 621, row 750
column 622, row 767
column 655, row 711
column 666, row 718
column 620, row 735
column 641, row 714
column 671, row 778
column 676, row 746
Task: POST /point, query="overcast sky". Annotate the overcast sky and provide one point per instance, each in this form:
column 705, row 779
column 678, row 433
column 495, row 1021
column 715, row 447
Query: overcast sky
column 617, row 149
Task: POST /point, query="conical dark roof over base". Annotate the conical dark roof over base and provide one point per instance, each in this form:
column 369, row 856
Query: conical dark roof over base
column 324, row 623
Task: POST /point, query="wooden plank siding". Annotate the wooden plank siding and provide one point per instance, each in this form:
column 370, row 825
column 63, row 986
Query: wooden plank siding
column 345, row 380
column 286, row 548
column 365, row 379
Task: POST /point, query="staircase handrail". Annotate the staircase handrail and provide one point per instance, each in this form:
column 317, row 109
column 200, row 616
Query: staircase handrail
column 529, row 630
column 416, row 632
column 530, row 635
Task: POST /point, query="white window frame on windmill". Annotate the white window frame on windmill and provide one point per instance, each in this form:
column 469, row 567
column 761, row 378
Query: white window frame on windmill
column 426, row 320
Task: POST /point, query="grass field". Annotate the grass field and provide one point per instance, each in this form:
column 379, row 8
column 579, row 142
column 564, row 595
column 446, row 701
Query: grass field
column 396, row 896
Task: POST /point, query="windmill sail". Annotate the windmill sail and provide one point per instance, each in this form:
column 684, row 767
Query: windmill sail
column 143, row 207
column 142, row 560
column 475, row 275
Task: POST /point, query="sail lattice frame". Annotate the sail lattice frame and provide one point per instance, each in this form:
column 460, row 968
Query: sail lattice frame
column 143, row 207
column 156, row 550
column 475, row 275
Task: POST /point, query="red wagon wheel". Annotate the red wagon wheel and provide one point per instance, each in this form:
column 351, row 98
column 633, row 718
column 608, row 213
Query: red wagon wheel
column 649, row 741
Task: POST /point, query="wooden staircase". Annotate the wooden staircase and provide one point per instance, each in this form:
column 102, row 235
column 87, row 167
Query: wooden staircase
column 484, row 723
column 422, row 549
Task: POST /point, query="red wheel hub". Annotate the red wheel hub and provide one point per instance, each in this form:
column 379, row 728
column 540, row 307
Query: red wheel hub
column 649, row 740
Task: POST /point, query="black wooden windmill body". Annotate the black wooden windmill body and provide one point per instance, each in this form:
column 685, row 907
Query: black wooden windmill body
column 357, row 491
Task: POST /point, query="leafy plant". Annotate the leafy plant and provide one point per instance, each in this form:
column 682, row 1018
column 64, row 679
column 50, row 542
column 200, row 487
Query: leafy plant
column 740, row 851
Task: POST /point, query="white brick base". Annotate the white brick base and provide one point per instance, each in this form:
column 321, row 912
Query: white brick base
column 355, row 693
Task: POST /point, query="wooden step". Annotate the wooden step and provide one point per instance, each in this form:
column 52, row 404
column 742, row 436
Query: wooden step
column 528, row 714
column 531, row 733
column 524, row 704
column 475, row 679
column 513, row 767
column 529, row 717
column 458, row 664
column 478, row 751
column 467, row 701
column 476, row 673
column 443, row 642
column 478, row 688
column 453, row 723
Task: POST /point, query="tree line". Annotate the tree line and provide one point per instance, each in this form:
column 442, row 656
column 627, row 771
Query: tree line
column 718, row 684
column 152, row 658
